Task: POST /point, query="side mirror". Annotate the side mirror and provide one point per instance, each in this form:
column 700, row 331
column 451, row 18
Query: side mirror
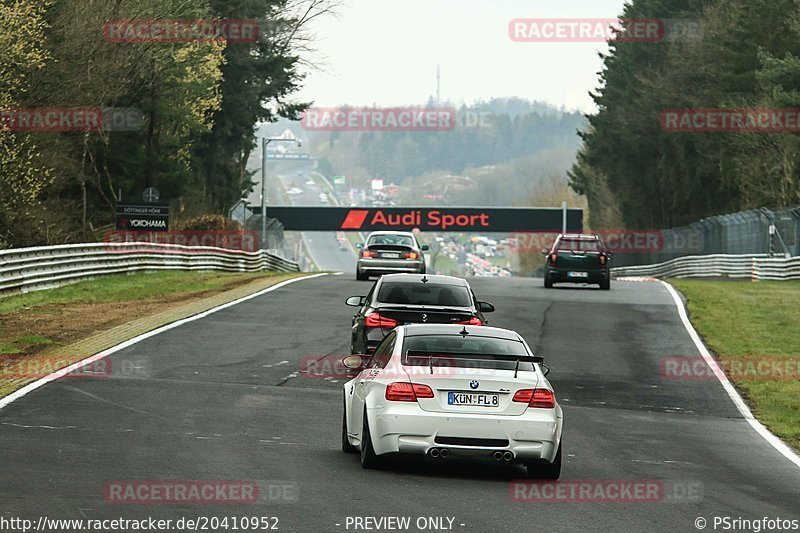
column 355, row 301
column 609, row 254
column 425, row 248
column 353, row 362
column 359, row 245
column 485, row 307
column 544, row 251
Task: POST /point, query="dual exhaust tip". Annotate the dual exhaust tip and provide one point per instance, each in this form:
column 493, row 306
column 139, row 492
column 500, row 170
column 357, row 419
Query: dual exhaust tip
column 439, row 453
column 442, row 453
column 502, row 456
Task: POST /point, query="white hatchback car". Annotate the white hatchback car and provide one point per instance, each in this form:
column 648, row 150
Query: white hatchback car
column 443, row 390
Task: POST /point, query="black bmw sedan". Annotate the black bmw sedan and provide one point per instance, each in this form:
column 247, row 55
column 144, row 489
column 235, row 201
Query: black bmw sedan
column 398, row 299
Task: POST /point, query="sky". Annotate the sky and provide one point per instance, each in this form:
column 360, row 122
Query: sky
column 385, row 52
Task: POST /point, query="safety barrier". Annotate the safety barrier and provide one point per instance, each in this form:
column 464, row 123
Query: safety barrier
column 755, row 267
column 26, row 269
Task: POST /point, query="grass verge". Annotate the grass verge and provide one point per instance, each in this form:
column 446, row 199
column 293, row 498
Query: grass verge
column 754, row 324
column 43, row 331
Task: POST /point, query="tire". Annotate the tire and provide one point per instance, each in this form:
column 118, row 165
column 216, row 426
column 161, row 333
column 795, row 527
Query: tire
column 605, row 285
column 368, row 458
column 548, row 283
column 346, row 446
column 360, row 276
column 545, row 469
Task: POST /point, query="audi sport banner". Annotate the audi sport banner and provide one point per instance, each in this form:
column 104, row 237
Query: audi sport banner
column 146, row 217
column 470, row 219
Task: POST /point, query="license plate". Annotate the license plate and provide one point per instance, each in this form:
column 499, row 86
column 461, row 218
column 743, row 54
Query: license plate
column 471, row 398
column 391, row 256
column 578, row 274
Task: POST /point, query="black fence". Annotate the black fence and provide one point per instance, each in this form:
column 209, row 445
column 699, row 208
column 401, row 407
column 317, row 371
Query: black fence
column 759, row 231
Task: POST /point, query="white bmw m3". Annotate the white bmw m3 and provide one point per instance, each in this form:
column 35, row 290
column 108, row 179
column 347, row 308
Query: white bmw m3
column 443, row 390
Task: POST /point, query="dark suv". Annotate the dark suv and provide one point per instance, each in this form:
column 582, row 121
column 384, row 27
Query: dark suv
column 398, row 299
column 577, row 258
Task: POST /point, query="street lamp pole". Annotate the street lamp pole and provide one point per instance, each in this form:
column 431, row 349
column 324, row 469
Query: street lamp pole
column 264, row 142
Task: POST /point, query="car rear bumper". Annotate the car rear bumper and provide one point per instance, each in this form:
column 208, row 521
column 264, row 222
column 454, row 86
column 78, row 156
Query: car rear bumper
column 389, row 266
column 562, row 275
column 408, row 429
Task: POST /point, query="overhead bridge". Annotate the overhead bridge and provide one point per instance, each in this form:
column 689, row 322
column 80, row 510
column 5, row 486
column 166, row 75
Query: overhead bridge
column 468, row 219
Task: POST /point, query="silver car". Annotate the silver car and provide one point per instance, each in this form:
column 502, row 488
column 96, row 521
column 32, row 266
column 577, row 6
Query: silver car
column 389, row 252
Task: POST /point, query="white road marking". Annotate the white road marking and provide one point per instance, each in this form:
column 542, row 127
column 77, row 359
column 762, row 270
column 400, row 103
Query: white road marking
column 30, row 387
column 36, row 427
column 773, row 440
column 280, row 363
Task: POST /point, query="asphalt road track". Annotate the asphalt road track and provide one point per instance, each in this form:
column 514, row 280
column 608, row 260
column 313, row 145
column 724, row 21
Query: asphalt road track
column 224, row 401
column 322, row 245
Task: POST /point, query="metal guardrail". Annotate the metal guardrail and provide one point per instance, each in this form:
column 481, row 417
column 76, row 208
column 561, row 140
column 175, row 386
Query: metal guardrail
column 25, row 269
column 755, row 267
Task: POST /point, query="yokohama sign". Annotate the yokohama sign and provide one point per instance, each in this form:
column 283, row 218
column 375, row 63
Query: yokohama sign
column 150, row 217
column 469, row 219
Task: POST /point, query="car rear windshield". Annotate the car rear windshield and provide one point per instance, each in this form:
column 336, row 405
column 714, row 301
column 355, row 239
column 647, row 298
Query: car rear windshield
column 395, row 240
column 465, row 351
column 578, row 245
column 418, row 293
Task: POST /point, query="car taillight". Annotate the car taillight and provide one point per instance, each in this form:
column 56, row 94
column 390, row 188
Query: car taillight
column 376, row 320
column 603, row 259
column 367, row 253
column 411, row 255
column 474, row 321
column 403, row 391
column 523, row 396
column 538, row 398
column 553, row 258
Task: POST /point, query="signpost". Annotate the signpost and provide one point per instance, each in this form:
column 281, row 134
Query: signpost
column 151, row 195
column 142, row 217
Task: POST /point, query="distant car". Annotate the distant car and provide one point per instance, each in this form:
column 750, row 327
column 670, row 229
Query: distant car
column 323, row 198
column 398, row 299
column 387, row 252
column 443, row 390
column 577, row 258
